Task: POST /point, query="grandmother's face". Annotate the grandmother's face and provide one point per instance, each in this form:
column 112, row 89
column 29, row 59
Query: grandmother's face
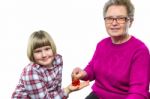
column 117, row 21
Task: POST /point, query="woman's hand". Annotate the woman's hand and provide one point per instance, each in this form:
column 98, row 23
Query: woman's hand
column 78, row 73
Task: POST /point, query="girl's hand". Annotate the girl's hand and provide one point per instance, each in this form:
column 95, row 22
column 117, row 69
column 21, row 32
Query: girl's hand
column 78, row 87
column 72, row 88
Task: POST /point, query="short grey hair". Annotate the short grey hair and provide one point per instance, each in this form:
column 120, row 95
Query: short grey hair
column 127, row 3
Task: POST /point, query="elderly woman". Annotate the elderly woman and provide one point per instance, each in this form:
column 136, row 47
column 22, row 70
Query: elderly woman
column 120, row 65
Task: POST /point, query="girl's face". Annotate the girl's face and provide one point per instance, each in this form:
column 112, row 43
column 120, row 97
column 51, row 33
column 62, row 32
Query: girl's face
column 43, row 55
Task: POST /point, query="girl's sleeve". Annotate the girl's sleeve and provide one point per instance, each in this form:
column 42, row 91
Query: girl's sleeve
column 34, row 85
column 59, row 63
column 30, row 86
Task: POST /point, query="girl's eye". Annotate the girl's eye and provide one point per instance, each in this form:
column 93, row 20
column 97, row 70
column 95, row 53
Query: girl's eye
column 47, row 48
column 37, row 51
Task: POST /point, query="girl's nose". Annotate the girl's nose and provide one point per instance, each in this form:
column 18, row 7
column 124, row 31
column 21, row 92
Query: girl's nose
column 43, row 54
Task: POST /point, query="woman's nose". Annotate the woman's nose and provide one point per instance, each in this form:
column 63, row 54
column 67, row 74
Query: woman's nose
column 114, row 22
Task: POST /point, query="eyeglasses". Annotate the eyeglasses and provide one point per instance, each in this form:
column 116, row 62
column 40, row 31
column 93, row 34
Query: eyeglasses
column 120, row 20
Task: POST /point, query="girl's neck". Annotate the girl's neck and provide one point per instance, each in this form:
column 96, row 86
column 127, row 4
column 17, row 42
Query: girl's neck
column 49, row 66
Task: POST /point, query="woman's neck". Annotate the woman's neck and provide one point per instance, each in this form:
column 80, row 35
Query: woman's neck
column 120, row 39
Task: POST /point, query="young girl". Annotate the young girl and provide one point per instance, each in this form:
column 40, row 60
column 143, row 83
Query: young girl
column 41, row 79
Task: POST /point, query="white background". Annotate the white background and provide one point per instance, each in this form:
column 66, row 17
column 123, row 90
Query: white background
column 75, row 25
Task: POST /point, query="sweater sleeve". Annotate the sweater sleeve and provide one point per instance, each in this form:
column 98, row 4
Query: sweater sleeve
column 90, row 67
column 139, row 75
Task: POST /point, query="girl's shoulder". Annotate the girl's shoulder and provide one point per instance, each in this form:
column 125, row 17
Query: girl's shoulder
column 58, row 56
column 58, row 60
column 31, row 67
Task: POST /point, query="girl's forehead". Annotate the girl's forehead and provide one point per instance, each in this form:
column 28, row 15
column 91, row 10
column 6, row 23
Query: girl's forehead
column 41, row 44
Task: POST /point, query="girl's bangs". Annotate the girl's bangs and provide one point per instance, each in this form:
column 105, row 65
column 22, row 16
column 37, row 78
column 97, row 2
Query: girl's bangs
column 41, row 43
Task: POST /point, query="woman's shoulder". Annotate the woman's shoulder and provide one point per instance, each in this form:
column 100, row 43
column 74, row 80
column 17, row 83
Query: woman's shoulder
column 138, row 43
column 104, row 41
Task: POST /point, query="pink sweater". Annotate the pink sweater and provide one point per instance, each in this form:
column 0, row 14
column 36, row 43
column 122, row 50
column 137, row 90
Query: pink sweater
column 120, row 71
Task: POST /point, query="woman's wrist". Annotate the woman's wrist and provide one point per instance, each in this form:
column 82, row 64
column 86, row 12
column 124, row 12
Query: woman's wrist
column 84, row 74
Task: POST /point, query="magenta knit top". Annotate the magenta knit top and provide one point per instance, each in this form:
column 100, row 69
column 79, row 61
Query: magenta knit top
column 120, row 71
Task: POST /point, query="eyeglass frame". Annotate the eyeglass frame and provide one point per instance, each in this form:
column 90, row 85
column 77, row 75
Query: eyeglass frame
column 124, row 19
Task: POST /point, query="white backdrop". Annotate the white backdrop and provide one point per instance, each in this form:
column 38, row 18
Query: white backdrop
column 75, row 25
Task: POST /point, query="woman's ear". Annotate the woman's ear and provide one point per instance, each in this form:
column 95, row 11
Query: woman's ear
column 131, row 21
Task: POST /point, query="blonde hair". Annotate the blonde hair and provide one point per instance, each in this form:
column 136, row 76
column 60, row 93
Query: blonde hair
column 38, row 39
column 127, row 3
